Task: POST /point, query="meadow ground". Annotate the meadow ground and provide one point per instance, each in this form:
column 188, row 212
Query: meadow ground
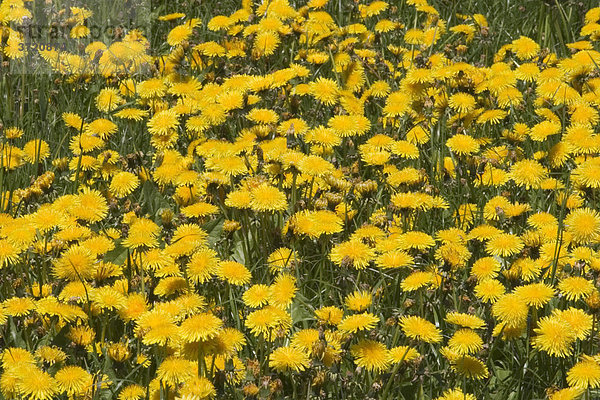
column 299, row 199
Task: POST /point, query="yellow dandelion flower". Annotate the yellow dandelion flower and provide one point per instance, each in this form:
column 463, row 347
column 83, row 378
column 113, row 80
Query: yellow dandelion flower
column 417, row 280
column 50, row 355
column 394, row 259
column 73, row 380
column 578, row 320
column 528, row 173
column 256, row 296
column 465, row 320
column 420, row 329
column 199, row 387
column 157, row 327
column 485, row 268
column 571, row 393
column 465, row 341
column 463, row 144
column 107, row 298
column 358, row 322
column 202, row 265
column 358, row 300
column 585, row 374
column 535, row 294
column 77, row 263
column 108, row 99
column 9, row 252
column 325, row 90
column 510, row 309
column 282, row 292
column 402, row 353
column 525, row 48
column 163, row 122
column 576, row 287
column 174, row 371
column 265, row 43
column 101, row 127
column 268, row 322
column 470, row 367
column 35, row 384
column 90, row 206
column 330, row 315
column 281, row 258
column 200, row 327
column 288, row 358
column 584, row 225
column 123, row 183
column 132, row 392
column 504, row 245
column 371, row 355
column 462, row 102
column 554, row 337
column 200, row 209
column 35, row 151
column 267, row 198
column 233, row 272
column 263, row 116
column 179, row 34
column 456, row 394
column 352, row 253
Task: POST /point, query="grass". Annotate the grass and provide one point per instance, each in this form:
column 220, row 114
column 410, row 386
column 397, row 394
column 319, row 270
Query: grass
column 35, row 98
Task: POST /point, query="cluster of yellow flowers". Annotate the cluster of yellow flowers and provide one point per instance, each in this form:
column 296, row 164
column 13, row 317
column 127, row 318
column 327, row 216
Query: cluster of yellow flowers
column 301, row 208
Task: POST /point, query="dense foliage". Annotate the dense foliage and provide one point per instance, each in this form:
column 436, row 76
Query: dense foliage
column 335, row 200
